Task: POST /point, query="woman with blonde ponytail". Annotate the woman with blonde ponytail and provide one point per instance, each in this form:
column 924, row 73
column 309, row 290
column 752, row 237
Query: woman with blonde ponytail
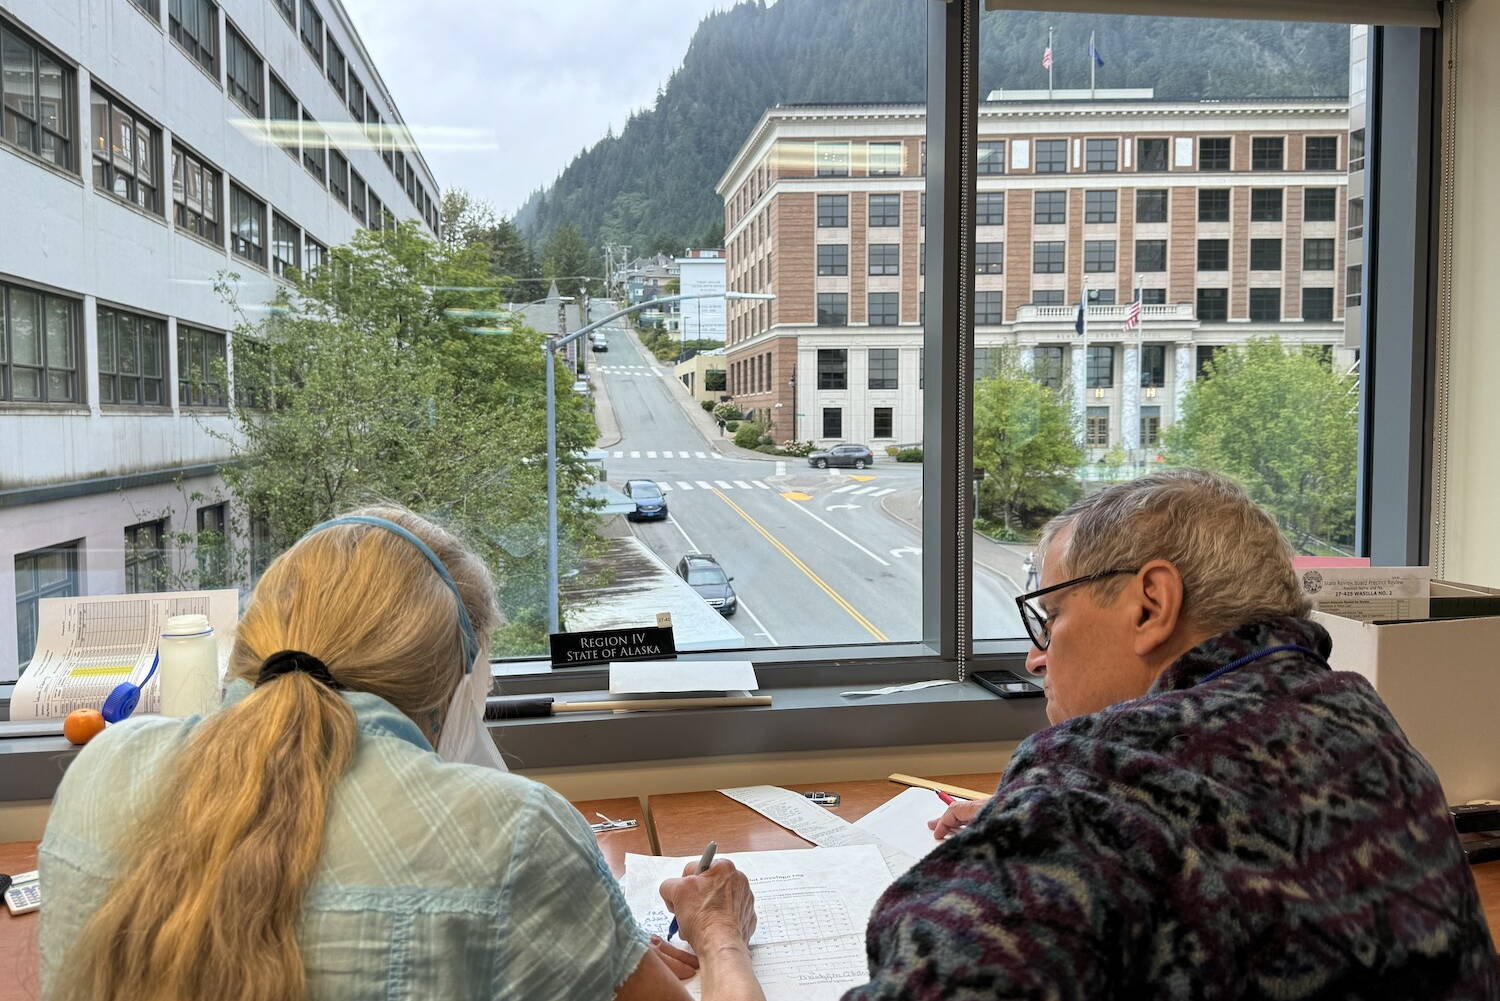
column 305, row 842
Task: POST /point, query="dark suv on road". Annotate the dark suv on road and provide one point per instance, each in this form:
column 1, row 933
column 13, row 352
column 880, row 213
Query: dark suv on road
column 650, row 502
column 858, row 456
column 704, row 575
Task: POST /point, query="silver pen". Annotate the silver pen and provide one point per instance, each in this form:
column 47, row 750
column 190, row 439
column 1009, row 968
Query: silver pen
column 703, row 864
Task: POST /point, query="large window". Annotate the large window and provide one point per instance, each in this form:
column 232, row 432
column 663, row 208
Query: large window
column 989, row 258
column 247, row 225
column 1213, row 205
column 338, row 67
column 314, row 254
column 42, row 573
column 1151, row 205
column 833, row 309
column 338, row 176
column 1151, row 155
column 1150, row 426
column 312, row 30
column 1265, row 304
column 356, row 98
column 989, row 209
column 146, row 556
column 1096, row 427
column 314, row 149
column 885, row 258
column 833, row 368
column 833, row 210
column 832, row 159
column 1098, row 256
column 1050, row 207
column 1153, row 366
column 243, row 71
column 884, row 368
column 39, row 351
column 211, row 547
column 1320, row 204
column 132, row 358
column 1051, row 156
column 286, row 245
column 1317, row 255
column 1265, row 255
column 992, row 156
column 1047, row 365
column 1213, row 304
column 1321, row 153
column 285, row 119
column 196, row 191
column 884, row 159
column 989, row 308
column 200, row 367
column 1317, row 304
column 833, row 422
column 1267, row 153
column 1101, row 366
column 884, row 309
column 36, row 98
column 833, row 258
column 359, row 196
column 1099, row 206
column 885, row 210
column 1213, row 153
column 1101, row 155
column 194, row 25
column 1151, row 255
column 1213, row 255
column 1265, row 204
column 883, row 423
column 127, row 153
column 1048, row 257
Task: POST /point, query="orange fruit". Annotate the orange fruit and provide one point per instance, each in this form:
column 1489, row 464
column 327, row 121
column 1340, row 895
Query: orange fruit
column 82, row 725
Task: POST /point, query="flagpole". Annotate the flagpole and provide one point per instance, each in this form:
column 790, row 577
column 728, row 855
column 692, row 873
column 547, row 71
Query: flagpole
column 1049, row 64
column 1093, row 64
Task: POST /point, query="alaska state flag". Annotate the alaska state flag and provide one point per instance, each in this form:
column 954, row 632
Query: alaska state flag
column 1078, row 321
column 1094, row 55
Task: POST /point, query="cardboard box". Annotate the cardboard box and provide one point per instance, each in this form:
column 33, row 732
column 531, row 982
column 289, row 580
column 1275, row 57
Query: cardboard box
column 1441, row 679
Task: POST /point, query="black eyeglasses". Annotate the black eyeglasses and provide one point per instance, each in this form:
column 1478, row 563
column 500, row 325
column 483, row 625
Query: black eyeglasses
column 1035, row 620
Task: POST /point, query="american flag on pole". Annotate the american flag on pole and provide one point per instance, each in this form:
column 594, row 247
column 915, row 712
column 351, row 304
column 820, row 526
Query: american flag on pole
column 1047, row 58
column 1133, row 315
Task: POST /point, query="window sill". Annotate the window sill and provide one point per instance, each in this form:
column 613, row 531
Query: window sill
column 132, row 206
column 32, row 158
column 134, row 410
column 198, row 239
column 13, row 409
column 212, row 76
column 254, row 264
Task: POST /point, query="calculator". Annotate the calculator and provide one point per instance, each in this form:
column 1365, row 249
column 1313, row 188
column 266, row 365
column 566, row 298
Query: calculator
column 24, row 894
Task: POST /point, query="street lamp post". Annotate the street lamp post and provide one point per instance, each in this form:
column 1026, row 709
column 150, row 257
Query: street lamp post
column 552, row 345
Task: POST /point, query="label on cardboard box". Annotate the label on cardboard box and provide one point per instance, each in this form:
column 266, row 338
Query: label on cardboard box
column 1369, row 594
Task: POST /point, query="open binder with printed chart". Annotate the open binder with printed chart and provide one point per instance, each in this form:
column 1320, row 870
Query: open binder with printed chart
column 811, row 907
column 87, row 646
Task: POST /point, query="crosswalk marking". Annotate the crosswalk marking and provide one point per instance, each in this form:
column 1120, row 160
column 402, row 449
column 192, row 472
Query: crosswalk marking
column 722, row 485
column 650, row 455
column 882, row 493
column 699, row 455
column 619, row 455
column 684, row 485
column 635, row 455
column 665, row 487
column 864, row 490
column 742, row 484
column 846, row 489
column 703, row 485
column 761, row 485
column 781, row 467
column 682, row 455
column 716, row 455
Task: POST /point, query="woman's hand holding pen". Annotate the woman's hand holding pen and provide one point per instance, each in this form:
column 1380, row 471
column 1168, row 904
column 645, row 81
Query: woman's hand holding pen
column 714, row 908
column 960, row 814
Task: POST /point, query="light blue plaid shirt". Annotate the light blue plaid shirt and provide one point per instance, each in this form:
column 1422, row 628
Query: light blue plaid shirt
column 437, row 880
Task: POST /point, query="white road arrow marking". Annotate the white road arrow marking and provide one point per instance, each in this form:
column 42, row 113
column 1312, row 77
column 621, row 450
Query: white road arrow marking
column 906, row 550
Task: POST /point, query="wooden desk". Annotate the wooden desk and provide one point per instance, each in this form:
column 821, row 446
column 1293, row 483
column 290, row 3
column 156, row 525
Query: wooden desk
column 684, row 822
column 614, row 844
column 19, row 962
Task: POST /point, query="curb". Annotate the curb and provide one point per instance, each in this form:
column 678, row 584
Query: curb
column 603, row 401
column 977, row 562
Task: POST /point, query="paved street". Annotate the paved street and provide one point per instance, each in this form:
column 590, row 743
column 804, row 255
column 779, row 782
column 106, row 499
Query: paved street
column 814, row 556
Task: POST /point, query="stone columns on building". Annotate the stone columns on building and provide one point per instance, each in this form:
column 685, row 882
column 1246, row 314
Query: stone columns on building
column 1182, row 376
column 1080, row 388
column 1130, row 412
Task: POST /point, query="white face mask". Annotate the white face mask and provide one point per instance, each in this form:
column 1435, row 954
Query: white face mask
column 465, row 739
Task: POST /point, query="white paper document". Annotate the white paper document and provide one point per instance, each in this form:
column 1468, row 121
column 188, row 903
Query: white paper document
column 1369, row 594
column 902, row 821
column 914, row 686
column 814, row 823
column 87, row 646
column 811, row 908
column 643, row 677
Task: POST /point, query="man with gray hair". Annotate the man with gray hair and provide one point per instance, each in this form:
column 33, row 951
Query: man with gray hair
column 1214, row 813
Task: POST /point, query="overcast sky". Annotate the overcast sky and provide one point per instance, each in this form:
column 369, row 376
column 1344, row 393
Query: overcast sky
column 543, row 78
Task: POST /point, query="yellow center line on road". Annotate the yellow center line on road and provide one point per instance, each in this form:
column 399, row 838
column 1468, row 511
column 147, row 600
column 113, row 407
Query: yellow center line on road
column 822, row 584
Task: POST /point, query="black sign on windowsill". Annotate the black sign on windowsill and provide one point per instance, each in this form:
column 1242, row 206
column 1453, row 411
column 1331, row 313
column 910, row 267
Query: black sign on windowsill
column 604, row 645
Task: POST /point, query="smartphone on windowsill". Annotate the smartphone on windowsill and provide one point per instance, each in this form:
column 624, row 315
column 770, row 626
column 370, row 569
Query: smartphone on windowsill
column 1007, row 684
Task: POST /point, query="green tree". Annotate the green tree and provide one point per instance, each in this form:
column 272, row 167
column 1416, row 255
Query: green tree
column 363, row 384
column 1285, row 427
column 469, row 220
column 567, row 258
column 1026, row 440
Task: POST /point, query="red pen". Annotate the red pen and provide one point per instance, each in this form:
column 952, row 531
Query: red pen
column 945, row 797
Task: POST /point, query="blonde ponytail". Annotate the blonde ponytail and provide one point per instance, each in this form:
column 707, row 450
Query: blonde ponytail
column 213, row 873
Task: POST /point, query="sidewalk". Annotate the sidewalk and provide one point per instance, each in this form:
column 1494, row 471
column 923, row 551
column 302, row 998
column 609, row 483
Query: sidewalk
column 705, row 423
column 604, row 413
column 1003, row 558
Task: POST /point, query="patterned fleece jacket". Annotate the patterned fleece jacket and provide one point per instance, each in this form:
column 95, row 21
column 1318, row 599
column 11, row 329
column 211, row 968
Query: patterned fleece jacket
column 1269, row 834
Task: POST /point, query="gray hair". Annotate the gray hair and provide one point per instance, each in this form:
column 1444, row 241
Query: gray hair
column 1236, row 566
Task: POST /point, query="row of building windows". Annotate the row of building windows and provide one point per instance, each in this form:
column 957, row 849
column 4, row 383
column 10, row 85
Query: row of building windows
column 882, row 422
column 883, row 308
column 1100, row 206
column 40, row 354
column 1100, row 155
column 37, row 117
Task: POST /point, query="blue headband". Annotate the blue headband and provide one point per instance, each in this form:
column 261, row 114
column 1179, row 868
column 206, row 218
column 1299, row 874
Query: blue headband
column 465, row 626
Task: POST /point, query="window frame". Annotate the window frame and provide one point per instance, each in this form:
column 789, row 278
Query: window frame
column 838, row 259
column 1099, row 371
column 1153, row 373
column 1221, row 160
column 828, row 316
column 989, row 257
column 196, row 389
column 1210, row 208
column 28, row 601
column 1095, row 160
column 186, row 38
column 44, row 369
column 989, row 307
column 115, row 397
column 994, row 164
column 1056, row 159
column 254, row 104
column 1219, row 296
column 150, row 559
column 832, row 368
column 1054, row 248
column 1264, row 208
column 1095, row 259
column 1165, row 200
column 107, row 169
column 889, row 317
column 1141, row 157
column 259, row 258
column 1259, row 253
column 1054, row 374
column 1152, row 246
column 1257, row 304
column 885, row 169
column 311, row 30
column 67, row 116
column 285, row 233
column 832, row 218
column 984, row 208
column 1267, row 153
column 883, row 258
column 1097, row 213
column 1333, row 159
column 1215, row 252
column 1049, row 208
column 887, row 217
column 888, row 368
column 207, row 227
column 1326, row 256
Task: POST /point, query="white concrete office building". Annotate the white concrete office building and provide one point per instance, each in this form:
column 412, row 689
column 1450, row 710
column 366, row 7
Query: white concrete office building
column 137, row 172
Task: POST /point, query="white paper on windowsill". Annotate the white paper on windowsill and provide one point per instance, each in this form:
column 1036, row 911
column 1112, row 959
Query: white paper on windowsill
column 643, row 677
